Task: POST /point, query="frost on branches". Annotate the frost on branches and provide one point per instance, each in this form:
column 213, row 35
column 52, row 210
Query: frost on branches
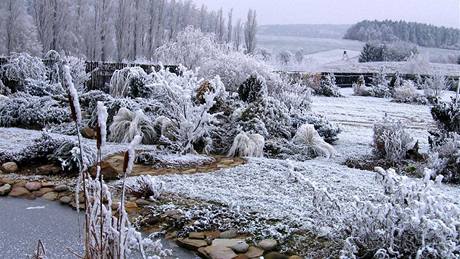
column 411, row 220
column 391, row 141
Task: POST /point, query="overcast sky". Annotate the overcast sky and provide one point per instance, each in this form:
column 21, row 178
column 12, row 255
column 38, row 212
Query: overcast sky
column 438, row 12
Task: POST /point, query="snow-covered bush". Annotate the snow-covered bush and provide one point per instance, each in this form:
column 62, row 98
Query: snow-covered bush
column 127, row 81
column 328, row 87
column 192, row 48
column 20, row 67
column 419, row 64
column 391, row 141
column 444, row 158
column 145, row 187
column 359, row 88
column 33, row 112
column 407, row 93
column 380, row 86
column 247, row 145
column 284, row 57
column 253, row 89
column 447, row 116
column 67, row 154
column 434, row 85
column 327, row 130
column 127, row 124
column 268, row 117
column 41, row 88
column 235, row 68
column 296, row 97
column 308, row 136
column 77, row 67
column 411, row 220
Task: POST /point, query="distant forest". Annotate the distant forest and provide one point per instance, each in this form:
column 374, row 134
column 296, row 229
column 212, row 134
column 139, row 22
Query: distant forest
column 329, row 31
column 424, row 35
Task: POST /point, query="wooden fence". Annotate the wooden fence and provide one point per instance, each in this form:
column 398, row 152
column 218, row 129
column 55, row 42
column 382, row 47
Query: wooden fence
column 101, row 72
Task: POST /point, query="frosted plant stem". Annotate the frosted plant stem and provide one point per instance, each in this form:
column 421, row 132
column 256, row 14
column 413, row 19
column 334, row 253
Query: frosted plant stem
column 85, row 194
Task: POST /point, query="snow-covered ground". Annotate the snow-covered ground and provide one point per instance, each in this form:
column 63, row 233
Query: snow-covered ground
column 268, row 187
column 356, row 116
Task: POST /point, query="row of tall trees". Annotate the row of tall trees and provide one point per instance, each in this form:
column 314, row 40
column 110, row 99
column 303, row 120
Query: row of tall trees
column 418, row 33
column 112, row 29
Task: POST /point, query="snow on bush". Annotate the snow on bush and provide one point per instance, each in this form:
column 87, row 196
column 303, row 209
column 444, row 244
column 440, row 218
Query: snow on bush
column 296, row 97
column 125, row 80
column 145, row 187
column 359, row 88
column 407, row 93
column 127, row 124
column 31, row 112
column 77, row 67
column 247, row 145
column 380, row 86
column 328, row 87
column 22, row 66
column 435, row 85
column 192, row 49
column 410, row 220
column 308, row 136
column 444, row 158
column 391, row 141
column 329, row 131
column 163, row 159
column 253, row 89
column 447, row 116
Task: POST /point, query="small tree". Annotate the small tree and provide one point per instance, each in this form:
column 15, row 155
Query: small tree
column 434, row 85
column 285, row 57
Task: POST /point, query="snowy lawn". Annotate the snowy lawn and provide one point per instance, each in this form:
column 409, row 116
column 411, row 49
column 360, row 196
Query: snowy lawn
column 356, row 116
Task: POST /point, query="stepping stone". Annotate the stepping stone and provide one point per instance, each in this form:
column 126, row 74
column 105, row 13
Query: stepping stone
column 191, row 244
column 268, row 244
column 220, row 252
column 254, row 252
column 19, row 191
column 33, row 186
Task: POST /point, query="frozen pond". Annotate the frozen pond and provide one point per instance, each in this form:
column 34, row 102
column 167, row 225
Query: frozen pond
column 24, row 222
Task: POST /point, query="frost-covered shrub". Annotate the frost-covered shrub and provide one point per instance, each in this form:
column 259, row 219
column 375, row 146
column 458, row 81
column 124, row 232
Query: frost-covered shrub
column 434, row 85
column 190, row 49
column 67, row 154
column 235, row 68
column 22, row 66
column 253, row 89
column 380, row 86
column 77, row 69
column 391, row 141
column 410, row 220
column 247, row 145
column 444, row 158
column 32, row 112
column 127, row 124
column 447, row 116
column 359, row 88
column 327, row 130
column 407, row 93
column 308, row 136
column 268, row 117
column 328, row 87
column 128, row 81
column 145, row 187
column 41, row 88
column 296, row 97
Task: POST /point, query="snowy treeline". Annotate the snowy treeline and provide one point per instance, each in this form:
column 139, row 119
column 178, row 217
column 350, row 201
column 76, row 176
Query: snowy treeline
column 112, row 29
column 419, row 33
